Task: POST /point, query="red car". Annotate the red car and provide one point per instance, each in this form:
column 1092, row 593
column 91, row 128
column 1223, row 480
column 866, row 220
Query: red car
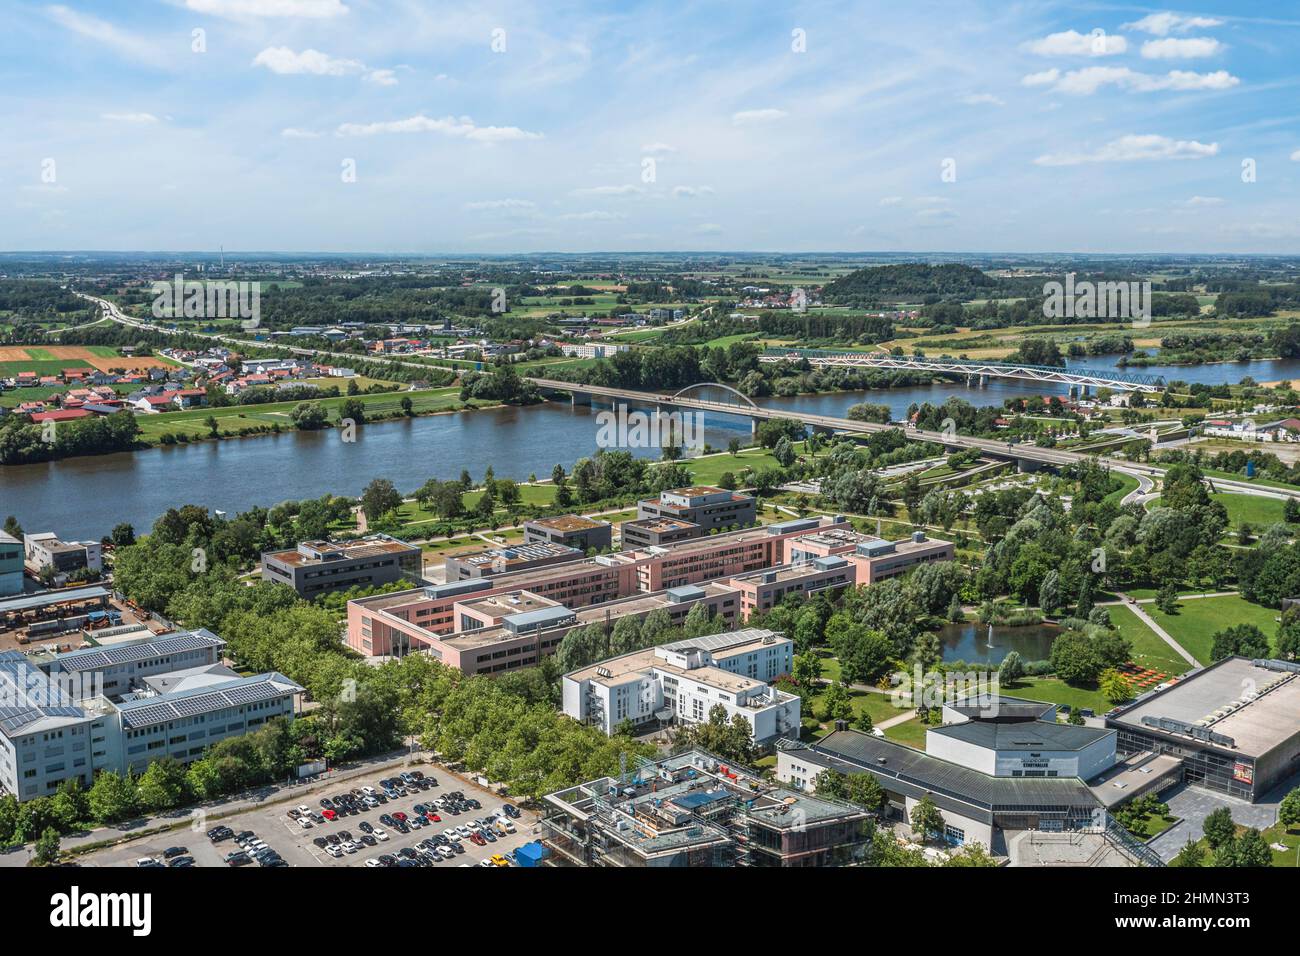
column 399, row 815
column 433, row 817
column 478, row 838
column 329, row 814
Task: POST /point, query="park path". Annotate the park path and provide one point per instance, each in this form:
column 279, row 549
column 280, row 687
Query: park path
column 1146, row 619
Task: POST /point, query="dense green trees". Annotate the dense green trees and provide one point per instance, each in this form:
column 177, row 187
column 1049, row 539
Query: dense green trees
column 23, row 442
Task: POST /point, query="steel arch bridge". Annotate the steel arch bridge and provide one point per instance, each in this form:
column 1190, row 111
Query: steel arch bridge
column 1033, row 373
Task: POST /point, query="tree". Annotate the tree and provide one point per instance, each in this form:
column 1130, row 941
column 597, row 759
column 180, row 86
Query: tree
column 309, row 416
column 112, row 797
column 733, row 447
column 47, row 848
column 1192, row 854
column 123, row 535
column 162, row 785
column 1074, row 659
column 1011, row 670
column 354, row 409
column 1167, row 598
column 1288, row 635
column 784, row 453
column 1114, row 685
column 1218, row 828
column 379, row 498
column 406, row 406
column 807, row 670
column 971, row 854
column 1049, row 592
column 926, row 818
column 1253, row 850
column 837, row 704
column 1244, row 640
column 1288, row 811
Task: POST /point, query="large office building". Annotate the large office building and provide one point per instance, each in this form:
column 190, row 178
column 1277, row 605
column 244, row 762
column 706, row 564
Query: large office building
column 521, row 557
column 875, row 558
column 693, row 809
column 117, row 668
column 686, row 513
column 682, row 682
column 572, row 531
column 49, row 734
column 1234, row 726
column 317, row 567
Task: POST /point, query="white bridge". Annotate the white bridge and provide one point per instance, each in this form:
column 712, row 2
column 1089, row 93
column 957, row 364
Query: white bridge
column 1076, row 377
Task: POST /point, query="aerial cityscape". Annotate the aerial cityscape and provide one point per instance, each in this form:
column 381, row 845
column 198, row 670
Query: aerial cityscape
column 602, row 436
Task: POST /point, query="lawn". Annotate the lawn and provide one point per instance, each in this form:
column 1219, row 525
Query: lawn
column 1258, row 512
column 709, row 469
column 1053, row 691
column 879, row 706
column 1197, row 620
column 909, row 732
column 1149, row 649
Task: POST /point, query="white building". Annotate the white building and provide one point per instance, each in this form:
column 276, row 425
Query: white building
column 683, row 681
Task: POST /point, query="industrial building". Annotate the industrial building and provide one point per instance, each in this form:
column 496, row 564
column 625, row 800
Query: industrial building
column 1234, row 726
column 683, row 681
column 317, row 567
column 11, row 565
column 693, row 809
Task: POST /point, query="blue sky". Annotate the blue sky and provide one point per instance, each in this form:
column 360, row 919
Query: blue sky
column 998, row 127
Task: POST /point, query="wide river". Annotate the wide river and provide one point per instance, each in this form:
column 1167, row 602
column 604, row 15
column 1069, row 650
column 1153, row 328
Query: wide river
column 85, row 497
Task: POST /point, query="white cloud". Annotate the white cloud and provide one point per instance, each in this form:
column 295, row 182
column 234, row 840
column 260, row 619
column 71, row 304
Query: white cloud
column 657, row 149
column 129, row 117
column 381, row 77
column 1172, row 49
column 1295, row 157
column 501, row 204
column 751, row 117
column 1089, row 80
column 281, row 59
column 890, row 200
column 982, row 99
column 608, row 191
column 1074, row 43
column 1162, row 24
column 690, row 192
column 296, row 132
column 1133, row 148
column 462, row 127
column 1044, row 78
column 238, row 9
column 592, row 215
column 1198, row 201
column 105, row 34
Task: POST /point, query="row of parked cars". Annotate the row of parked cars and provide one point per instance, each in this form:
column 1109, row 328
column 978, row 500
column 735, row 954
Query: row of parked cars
column 176, row 857
column 251, row 848
column 450, row 842
column 360, row 799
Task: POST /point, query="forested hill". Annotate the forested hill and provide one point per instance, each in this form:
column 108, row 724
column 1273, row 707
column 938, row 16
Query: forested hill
column 908, row 281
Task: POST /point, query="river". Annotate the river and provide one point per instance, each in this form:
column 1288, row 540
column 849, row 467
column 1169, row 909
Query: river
column 85, row 497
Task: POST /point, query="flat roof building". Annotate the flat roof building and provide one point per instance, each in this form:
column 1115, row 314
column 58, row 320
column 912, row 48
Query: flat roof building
column 1235, row 725
column 573, row 531
column 683, row 681
column 694, row 809
column 521, row 557
column 317, row 567
column 11, row 565
column 690, row 512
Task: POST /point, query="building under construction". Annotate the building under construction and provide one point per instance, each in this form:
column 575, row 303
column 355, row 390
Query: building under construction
column 695, row 809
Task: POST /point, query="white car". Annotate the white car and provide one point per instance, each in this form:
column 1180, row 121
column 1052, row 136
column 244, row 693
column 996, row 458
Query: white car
column 349, row 847
column 304, row 822
column 368, row 791
column 302, row 808
column 451, row 833
column 334, row 851
column 446, row 852
column 370, row 802
column 373, row 862
column 463, row 832
column 379, row 835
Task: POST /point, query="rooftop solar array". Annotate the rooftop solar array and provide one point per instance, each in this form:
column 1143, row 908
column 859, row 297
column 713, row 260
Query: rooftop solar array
column 248, row 690
column 95, row 658
column 30, row 696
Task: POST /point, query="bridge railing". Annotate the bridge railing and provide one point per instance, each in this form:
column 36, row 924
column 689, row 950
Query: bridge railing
column 1129, row 378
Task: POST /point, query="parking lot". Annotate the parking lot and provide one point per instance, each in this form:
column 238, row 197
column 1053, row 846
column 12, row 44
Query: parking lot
column 297, row 846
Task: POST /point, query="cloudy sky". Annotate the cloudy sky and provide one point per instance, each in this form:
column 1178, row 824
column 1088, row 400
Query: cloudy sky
column 423, row 126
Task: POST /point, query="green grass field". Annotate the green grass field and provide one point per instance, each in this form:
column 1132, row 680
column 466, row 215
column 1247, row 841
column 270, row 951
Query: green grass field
column 909, row 732
column 1197, row 621
column 1052, row 691
column 1149, row 649
column 1258, row 512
